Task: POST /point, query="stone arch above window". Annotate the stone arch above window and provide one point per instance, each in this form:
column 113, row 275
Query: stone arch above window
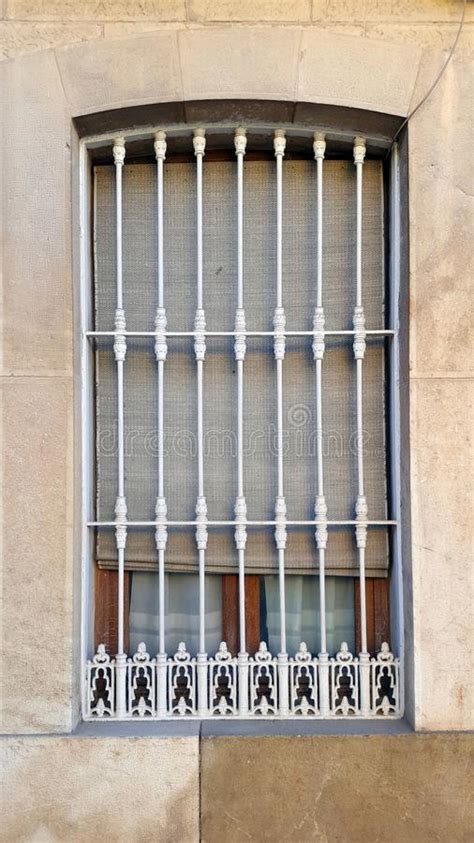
column 277, row 63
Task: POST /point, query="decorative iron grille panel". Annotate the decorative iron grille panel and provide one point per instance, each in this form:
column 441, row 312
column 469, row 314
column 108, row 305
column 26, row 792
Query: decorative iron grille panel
column 243, row 301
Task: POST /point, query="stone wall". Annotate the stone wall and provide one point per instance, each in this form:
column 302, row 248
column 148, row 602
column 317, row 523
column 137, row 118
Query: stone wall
column 87, row 788
column 31, row 25
column 405, row 787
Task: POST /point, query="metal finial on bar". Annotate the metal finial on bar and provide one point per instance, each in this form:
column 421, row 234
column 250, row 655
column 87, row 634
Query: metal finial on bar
column 240, row 140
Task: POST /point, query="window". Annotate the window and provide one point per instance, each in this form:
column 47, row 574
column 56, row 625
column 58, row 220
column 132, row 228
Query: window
column 238, row 347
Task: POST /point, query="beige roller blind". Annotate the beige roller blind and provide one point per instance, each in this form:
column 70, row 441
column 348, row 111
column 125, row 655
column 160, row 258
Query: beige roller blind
column 220, row 401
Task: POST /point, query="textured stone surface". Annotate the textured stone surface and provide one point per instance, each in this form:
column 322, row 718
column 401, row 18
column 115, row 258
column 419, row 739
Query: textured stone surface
column 221, row 62
column 415, row 789
column 121, row 790
column 336, row 69
column 441, row 191
column 161, row 10
column 391, row 10
column 255, row 62
column 37, row 211
column 121, row 28
column 443, row 592
column 18, row 37
column 412, row 788
column 249, row 10
column 37, row 554
column 362, row 11
column 441, row 260
column 434, row 38
column 112, row 74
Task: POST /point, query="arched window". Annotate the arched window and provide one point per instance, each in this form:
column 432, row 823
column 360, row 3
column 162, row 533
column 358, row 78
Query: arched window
column 238, row 363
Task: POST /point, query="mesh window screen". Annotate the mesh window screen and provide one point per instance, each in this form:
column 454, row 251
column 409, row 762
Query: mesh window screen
column 220, row 380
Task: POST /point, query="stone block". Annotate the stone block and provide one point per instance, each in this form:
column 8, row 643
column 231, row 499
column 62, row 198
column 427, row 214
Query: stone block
column 19, row 37
column 441, row 211
column 294, row 11
column 119, row 73
column 348, row 71
column 37, row 621
column 121, row 28
column 96, row 10
column 37, row 288
column 392, row 11
column 435, row 39
column 408, row 788
column 114, row 789
column 255, row 62
column 443, row 593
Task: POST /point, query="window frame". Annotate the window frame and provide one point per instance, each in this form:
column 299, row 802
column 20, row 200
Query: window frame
column 88, row 145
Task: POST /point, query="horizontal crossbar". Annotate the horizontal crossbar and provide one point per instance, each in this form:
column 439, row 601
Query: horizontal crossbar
column 382, row 523
column 376, row 333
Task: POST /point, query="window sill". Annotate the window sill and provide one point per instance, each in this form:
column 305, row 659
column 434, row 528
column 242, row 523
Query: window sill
column 240, row 728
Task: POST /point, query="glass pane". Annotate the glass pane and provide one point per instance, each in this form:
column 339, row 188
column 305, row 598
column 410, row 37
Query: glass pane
column 302, row 613
column 182, row 612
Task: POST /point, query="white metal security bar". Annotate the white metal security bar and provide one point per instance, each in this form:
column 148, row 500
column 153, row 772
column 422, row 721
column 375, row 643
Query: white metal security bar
column 320, row 507
column 120, row 350
column 240, row 142
column 199, row 143
column 222, row 685
column 359, row 346
column 161, row 349
column 279, row 322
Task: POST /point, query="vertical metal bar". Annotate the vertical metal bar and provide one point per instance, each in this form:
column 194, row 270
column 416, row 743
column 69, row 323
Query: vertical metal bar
column 240, row 142
column 279, row 322
column 87, row 415
column 161, row 533
column 359, row 347
column 320, row 507
column 120, row 349
column 199, row 143
column 397, row 624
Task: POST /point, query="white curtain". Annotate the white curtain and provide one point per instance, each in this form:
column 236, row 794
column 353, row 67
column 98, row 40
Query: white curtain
column 302, row 613
column 182, row 612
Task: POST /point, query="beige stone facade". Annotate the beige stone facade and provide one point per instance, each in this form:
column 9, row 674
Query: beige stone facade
column 66, row 60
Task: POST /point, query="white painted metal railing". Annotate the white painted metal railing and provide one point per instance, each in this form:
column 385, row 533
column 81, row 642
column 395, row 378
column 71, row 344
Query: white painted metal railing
column 359, row 346
column 240, row 142
column 161, row 350
column 224, row 685
column 320, row 507
column 279, row 322
column 299, row 690
column 199, row 143
column 120, row 350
